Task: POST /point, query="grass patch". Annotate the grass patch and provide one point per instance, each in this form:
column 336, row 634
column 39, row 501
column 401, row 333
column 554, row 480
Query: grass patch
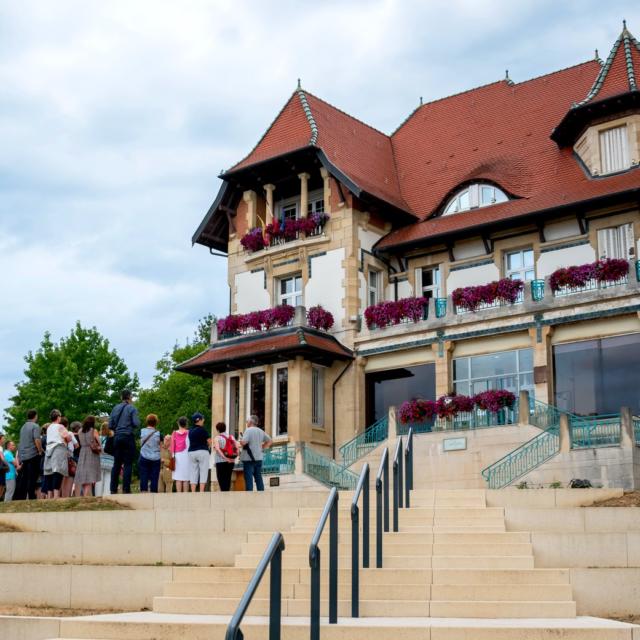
column 62, row 505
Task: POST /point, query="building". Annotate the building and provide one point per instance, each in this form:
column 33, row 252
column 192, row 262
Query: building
column 505, row 182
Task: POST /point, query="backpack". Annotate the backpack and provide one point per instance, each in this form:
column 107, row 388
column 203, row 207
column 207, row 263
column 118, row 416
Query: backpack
column 230, row 449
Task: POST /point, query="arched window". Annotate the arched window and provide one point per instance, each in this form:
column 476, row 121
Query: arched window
column 473, row 196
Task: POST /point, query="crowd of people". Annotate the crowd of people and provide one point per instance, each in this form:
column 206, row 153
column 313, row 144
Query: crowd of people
column 60, row 460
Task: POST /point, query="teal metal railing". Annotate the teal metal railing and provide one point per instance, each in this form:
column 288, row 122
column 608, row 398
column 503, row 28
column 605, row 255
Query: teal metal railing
column 638, row 270
column 476, row 419
column 327, row 471
column 537, row 290
column 524, row 459
column 441, row 307
column 590, row 432
column 418, row 427
column 279, row 460
column 636, row 429
column 590, row 285
column 364, row 442
column 543, row 415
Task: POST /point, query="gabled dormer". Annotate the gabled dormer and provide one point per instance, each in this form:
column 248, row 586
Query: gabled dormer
column 604, row 127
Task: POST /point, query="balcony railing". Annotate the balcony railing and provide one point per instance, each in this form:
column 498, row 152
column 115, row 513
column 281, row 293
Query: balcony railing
column 595, row 431
column 534, row 292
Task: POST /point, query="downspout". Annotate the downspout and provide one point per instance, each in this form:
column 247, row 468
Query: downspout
column 333, row 408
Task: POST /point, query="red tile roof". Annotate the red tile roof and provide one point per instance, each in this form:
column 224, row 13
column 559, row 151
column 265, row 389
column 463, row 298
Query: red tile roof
column 263, row 347
column 498, row 133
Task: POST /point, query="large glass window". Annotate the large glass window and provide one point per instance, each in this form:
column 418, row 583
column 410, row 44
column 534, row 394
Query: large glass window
column 256, row 396
column 290, row 291
column 317, row 397
column 511, row 370
column 281, row 401
column 233, row 418
column 392, row 387
column 519, row 265
column 595, row 377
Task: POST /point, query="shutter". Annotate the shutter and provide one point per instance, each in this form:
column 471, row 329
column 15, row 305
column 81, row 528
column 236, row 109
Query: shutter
column 614, row 150
column 607, row 243
column 418, row 279
column 626, row 241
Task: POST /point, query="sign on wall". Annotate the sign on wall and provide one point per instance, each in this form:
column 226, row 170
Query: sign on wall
column 454, row 444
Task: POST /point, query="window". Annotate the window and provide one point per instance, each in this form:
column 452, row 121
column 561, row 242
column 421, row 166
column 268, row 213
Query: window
column 616, row 242
column 614, row 150
column 474, row 196
column 595, row 377
column 317, row 397
column 233, row 405
column 374, row 287
column 315, row 206
column 519, row 265
column 256, row 396
column 281, row 403
column 430, row 282
column 290, row 291
column 511, row 370
column 289, row 211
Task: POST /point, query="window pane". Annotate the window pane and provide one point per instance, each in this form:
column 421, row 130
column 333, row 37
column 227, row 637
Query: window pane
column 514, row 261
column 464, row 202
column 493, row 364
column 282, row 400
column 373, row 279
column 528, row 257
column 529, row 275
column 427, row 277
column 487, row 195
column 461, row 368
column 256, row 399
column 525, row 358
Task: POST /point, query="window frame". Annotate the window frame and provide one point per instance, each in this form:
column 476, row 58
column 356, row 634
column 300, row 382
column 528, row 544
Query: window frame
column 275, row 418
column 286, row 297
column 474, row 192
column 375, row 290
column 508, row 273
column 317, row 396
column 624, row 152
column 435, row 289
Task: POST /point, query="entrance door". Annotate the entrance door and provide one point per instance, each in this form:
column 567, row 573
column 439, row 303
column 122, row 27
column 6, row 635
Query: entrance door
column 392, row 387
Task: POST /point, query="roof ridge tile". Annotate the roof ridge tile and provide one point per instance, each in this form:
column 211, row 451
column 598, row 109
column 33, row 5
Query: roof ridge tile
column 307, row 112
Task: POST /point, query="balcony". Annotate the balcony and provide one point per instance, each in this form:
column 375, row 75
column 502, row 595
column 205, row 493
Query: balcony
column 564, row 288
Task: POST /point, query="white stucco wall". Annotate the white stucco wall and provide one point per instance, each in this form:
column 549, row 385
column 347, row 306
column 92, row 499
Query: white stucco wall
column 469, row 249
column 559, row 230
column 367, row 238
column 326, row 284
column 549, row 261
column 472, row 276
column 404, row 289
column 250, row 292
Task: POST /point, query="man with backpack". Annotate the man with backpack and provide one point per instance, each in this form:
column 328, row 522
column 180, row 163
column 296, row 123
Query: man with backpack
column 226, row 452
column 124, row 422
column 254, row 441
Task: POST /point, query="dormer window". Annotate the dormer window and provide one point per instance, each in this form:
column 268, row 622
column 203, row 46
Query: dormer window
column 475, row 196
column 614, row 150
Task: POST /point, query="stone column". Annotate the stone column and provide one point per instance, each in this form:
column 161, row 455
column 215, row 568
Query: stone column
column 251, row 198
column 565, row 434
column 304, row 194
column 300, row 318
column 218, row 397
column 542, row 362
column 326, row 191
column 443, row 352
column 269, row 189
column 523, row 408
column 627, row 436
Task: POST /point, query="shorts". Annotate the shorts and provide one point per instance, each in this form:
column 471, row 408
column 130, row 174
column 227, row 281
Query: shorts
column 199, row 466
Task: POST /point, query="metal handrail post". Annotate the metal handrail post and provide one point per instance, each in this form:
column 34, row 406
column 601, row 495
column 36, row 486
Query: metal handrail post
column 385, row 485
column 397, row 483
column 355, row 561
column 333, row 562
column 366, row 523
column 272, row 556
column 380, row 499
column 401, row 477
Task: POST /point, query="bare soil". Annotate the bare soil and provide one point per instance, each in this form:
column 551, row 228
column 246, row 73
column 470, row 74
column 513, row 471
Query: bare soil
column 7, row 528
column 64, row 504
column 629, row 499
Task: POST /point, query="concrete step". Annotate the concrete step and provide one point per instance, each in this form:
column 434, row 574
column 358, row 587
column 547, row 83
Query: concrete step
column 482, row 562
column 418, row 513
column 491, row 576
column 463, row 549
column 344, row 548
column 302, row 561
column 502, row 592
column 502, row 609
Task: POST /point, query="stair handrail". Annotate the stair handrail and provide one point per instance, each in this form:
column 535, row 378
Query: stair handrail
column 272, row 557
column 338, row 475
column 361, row 489
column 364, row 442
column 330, row 512
column 408, row 468
column 382, row 504
column 397, row 483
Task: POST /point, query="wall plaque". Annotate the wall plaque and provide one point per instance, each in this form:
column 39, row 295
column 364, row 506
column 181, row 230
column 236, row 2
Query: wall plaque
column 454, row 444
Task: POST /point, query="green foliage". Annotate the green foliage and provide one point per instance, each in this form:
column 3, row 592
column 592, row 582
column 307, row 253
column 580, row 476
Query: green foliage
column 174, row 394
column 80, row 375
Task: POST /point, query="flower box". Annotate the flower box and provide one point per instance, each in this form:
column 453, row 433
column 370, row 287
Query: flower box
column 392, row 312
column 236, row 324
column 505, row 291
column 588, row 276
column 280, row 232
column 320, row 318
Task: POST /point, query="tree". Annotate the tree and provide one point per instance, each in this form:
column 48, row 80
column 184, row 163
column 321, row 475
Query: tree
column 174, row 394
column 81, row 375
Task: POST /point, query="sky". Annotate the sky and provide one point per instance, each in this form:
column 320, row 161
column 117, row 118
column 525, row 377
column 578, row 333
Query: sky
column 117, row 117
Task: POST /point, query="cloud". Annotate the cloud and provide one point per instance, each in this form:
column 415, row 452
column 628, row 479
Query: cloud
column 116, row 118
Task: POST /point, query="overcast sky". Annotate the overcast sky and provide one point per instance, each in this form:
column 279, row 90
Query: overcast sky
column 116, row 117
